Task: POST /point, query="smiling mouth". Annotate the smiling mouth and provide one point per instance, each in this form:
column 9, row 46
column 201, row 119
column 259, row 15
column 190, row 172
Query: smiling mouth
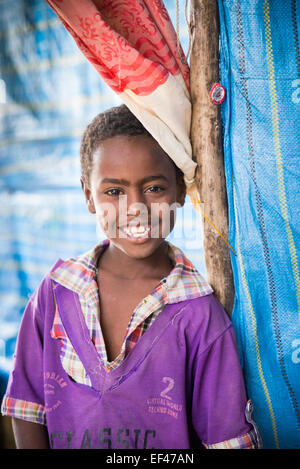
column 136, row 233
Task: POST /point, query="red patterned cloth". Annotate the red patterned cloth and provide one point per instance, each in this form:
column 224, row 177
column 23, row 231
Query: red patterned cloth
column 133, row 46
column 131, row 43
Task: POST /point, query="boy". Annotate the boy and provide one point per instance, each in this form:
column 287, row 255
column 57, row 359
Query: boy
column 126, row 346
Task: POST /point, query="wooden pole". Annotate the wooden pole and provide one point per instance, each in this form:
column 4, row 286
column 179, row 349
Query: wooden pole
column 207, row 146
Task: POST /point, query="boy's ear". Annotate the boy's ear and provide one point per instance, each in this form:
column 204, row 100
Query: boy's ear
column 88, row 196
column 181, row 192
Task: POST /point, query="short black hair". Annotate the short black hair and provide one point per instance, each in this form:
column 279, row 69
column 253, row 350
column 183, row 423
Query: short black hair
column 113, row 122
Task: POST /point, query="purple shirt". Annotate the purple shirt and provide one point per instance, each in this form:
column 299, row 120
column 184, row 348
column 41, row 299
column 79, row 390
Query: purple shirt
column 180, row 386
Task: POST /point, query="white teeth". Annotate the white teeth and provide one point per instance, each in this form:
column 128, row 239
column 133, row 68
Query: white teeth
column 135, row 231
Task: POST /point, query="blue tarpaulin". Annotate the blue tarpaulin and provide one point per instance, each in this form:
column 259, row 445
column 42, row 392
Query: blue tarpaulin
column 260, row 67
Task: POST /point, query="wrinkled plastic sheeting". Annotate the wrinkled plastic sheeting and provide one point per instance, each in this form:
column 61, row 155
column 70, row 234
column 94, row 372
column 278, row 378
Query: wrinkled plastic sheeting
column 260, row 68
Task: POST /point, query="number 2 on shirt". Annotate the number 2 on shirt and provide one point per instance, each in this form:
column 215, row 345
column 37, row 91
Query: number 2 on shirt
column 170, row 386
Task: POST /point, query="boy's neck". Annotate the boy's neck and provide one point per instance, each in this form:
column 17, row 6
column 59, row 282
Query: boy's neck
column 117, row 263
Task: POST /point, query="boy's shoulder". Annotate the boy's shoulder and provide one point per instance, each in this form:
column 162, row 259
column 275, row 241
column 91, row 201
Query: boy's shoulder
column 73, row 273
column 77, row 272
column 203, row 319
column 184, row 281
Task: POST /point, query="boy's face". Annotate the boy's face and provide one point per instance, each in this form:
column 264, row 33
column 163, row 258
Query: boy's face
column 134, row 193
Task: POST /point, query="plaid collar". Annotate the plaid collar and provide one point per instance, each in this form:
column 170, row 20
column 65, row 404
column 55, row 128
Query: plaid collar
column 183, row 283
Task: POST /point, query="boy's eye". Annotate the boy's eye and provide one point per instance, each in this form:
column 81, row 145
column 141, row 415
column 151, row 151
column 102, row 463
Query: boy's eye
column 113, row 192
column 155, row 189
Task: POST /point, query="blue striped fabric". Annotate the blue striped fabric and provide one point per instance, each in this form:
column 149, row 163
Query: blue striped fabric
column 260, row 68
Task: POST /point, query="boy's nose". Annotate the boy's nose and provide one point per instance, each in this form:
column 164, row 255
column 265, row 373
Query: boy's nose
column 133, row 209
column 134, row 200
column 136, row 206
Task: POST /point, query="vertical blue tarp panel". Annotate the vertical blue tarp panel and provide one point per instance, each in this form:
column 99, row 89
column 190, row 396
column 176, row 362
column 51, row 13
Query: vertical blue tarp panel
column 260, row 67
column 49, row 92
